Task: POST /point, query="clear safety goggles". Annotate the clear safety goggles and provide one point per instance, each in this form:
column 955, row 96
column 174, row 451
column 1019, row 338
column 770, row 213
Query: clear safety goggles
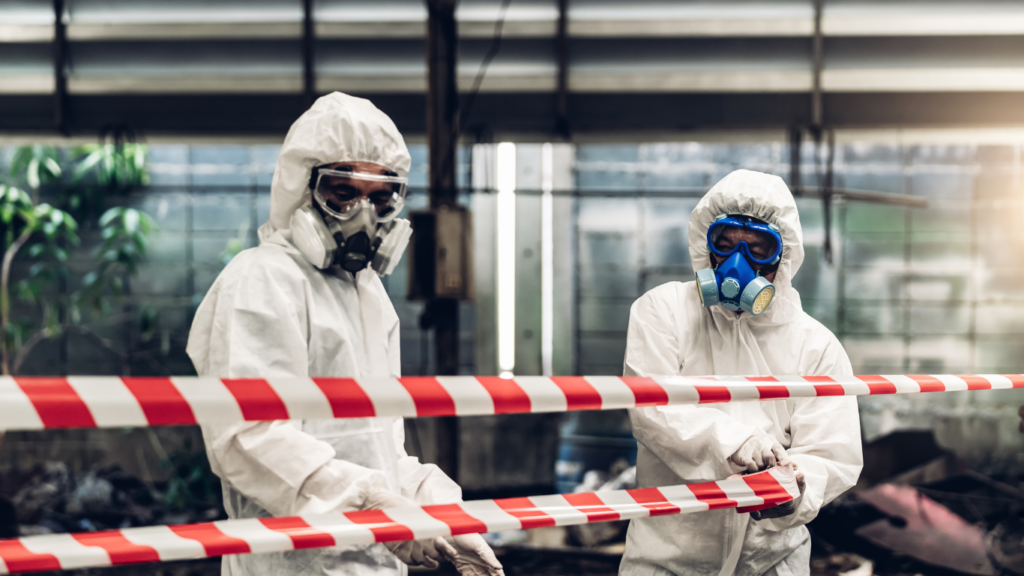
column 766, row 240
column 343, row 193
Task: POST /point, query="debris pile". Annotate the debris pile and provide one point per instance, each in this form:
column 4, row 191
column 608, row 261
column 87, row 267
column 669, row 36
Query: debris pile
column 919, row 515
column 48, row 499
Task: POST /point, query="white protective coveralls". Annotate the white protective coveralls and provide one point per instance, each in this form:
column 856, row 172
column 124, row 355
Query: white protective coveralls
column 272, row 314
column 671, row 333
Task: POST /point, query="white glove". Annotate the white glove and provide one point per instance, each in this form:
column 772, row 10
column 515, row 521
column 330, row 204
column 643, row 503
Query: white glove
column 759, row 452
column 428, row 552
column 786, row 508
column 475, row 557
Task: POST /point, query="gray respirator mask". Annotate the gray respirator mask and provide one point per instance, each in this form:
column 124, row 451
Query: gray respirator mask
column 351, row 222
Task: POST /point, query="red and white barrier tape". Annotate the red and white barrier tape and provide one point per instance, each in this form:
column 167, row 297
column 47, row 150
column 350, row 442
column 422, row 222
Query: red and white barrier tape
column 33, row 403
column 252, row 536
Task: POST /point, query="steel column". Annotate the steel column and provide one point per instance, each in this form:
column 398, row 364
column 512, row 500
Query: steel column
column 60, row 79
column 308, row 54
column 562, row 104
column 443, row 137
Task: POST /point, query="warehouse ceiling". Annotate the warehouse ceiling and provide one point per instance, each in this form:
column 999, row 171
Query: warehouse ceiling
column 234, row 67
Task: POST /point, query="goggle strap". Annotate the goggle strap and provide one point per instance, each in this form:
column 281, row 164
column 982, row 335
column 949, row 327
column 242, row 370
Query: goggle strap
column 362, row 176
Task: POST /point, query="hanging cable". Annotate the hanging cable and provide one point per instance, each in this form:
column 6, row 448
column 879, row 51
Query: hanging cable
column 826, row 193
column 462, row 115
column 467, row 107
column 795, row 142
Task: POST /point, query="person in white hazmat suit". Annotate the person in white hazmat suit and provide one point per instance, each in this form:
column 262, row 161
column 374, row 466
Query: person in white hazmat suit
column 301, row 305
column 711, row 327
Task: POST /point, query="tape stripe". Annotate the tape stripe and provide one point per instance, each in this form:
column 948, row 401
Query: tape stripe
column 592, row 505
column 826, row 386
column 508, row 397
column 579, row 394
column 346, row 397
column 30, row 403
column 711, row 493
column 108, row 400
column 383, row 528
column 417, row 520
column 20, row 560
column 69, row 552
column 388, row 396
column 215, row 542
column 134, row 545
column 975, row 382
column 120, row 550
column 713, row 394
column 456, row 518
column 683, row 497
column 928, row 383
column 490, row 513
column 654, row 500
column 613, row 391
column 161, row 401
column 430, row 397
column 468, row 395
column 169, row 545
column 529, row 515
column 18, row 411
column 623, row 504
column 56, row 402
column 878, row 385
column 646, row 391
column 209, row 399
column 259, row 538
column 302, row 396
column 772, row 391
column 768, row 487
column 257, row 399
column 544, row 394
column 302, row 535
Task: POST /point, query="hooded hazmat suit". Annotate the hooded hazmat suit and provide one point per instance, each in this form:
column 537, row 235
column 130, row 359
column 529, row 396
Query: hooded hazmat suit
column 272, row 314
column 671, row 333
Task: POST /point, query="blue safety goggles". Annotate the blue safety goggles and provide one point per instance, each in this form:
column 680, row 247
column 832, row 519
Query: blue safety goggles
column 768, row 235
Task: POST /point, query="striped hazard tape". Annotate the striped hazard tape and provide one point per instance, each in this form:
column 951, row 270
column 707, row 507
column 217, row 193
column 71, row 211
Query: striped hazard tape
column 33, row 403
column 253, row 536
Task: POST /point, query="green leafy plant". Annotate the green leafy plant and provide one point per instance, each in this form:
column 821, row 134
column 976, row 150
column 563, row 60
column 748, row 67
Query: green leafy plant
column 39, row 164
column 23, row 220
column 47, row 232
column 99, row 172
column 113, row 166
column 192, row 483
column 125, row 233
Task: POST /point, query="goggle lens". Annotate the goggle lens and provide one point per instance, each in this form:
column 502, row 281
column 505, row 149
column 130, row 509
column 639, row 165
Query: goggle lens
column 757, row 241
column 341, row 193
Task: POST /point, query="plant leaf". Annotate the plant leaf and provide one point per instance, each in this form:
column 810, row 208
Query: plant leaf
column 53, row 167
column 110, row 215
column 20, row 160
column 131, row 220
column 88, row 164
column 32, row 176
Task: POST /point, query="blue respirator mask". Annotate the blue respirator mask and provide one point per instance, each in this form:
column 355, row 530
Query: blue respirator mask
column 734, row 283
